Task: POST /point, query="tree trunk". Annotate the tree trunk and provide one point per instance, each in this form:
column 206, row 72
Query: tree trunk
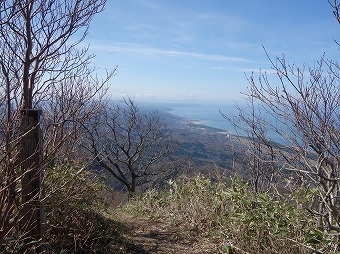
column 31, row 182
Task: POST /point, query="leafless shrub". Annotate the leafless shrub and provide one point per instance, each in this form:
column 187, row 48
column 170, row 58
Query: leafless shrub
column 302, row 108
column 128, row 144
column 41, row 67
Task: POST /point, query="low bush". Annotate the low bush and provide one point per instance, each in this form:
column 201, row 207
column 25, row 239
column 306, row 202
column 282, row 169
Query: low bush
column 74, row 218
column 234, row 217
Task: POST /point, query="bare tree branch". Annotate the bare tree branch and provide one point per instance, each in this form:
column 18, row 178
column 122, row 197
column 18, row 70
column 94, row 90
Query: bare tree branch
column 128, row 143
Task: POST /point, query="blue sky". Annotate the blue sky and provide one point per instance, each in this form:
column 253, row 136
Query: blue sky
column 193, row 50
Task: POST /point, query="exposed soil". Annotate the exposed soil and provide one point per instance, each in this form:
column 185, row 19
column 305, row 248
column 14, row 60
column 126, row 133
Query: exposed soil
column 144, row 236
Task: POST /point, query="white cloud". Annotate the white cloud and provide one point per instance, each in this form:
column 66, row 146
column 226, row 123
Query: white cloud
column 143, row 50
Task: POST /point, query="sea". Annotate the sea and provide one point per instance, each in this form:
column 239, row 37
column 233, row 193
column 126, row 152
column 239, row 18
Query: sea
column 204, row 114
column 211, row 115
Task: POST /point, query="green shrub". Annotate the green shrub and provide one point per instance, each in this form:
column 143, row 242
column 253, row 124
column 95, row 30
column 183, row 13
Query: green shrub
column 236, row 218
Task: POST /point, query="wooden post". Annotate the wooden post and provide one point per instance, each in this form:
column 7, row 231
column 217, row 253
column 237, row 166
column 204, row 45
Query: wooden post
column 30, row 161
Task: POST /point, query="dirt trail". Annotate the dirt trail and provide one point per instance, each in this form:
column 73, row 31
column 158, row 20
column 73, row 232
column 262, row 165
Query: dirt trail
column 159, row 237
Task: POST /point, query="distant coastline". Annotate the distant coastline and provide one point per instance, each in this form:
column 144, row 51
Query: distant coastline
column 209, row 117
column 200, row 114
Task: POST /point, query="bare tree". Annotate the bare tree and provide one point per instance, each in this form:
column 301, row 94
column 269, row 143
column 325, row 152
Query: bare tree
column 41, row 61
column 303, row 109
column 70, row 104
column 336, row 7
column 35, row 42
column 128, row 144
column 301, row 106
column 251, row 125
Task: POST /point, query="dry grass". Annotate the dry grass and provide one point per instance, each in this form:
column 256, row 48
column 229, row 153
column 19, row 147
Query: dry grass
column 234, row 218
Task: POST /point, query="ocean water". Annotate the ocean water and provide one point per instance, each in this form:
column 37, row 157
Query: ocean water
column 205, row 114
column 210, row 115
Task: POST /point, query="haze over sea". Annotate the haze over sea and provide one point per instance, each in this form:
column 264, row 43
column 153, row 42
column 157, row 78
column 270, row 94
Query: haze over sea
column 210, row 115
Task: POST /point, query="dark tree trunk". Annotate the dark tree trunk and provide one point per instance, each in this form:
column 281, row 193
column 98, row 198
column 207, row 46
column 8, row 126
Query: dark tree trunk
column 31, row 182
